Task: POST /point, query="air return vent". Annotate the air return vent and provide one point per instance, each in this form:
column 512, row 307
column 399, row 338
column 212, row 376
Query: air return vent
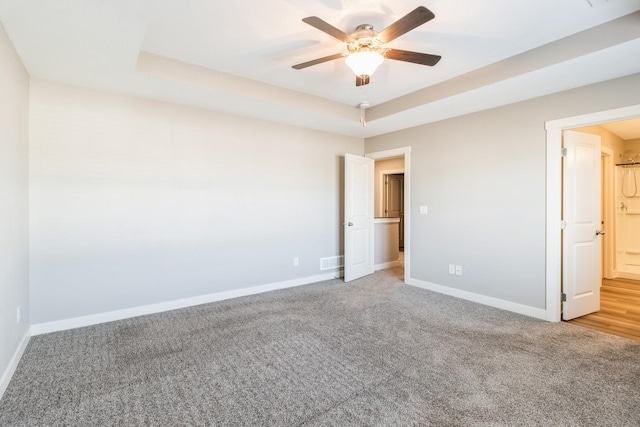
column 331, row 262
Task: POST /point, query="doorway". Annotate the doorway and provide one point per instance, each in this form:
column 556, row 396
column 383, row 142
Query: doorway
column 555, row 196
column 403, row 154
column 619, row 296
column 394, row 202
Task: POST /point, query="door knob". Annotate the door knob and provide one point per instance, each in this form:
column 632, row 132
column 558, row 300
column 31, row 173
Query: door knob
column 350, row 224
column 600, row 233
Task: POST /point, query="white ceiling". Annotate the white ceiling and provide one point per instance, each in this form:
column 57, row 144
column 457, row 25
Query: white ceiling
column 236, row 56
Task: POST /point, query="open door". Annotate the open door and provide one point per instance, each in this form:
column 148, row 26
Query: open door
column 358, row 217
column 581, row 276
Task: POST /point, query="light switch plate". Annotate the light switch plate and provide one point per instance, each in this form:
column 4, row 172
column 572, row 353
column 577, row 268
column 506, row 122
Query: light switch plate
column 423, row 210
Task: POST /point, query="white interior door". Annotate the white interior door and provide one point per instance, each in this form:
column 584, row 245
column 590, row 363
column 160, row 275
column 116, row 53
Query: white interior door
column 358, row 217
column 581, row 277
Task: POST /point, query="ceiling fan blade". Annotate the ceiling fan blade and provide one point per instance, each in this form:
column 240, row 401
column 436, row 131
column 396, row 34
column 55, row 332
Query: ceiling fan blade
column 318, row 61
column 415, row 57
column 362, row 80
column 413, row 19
column 314, row 21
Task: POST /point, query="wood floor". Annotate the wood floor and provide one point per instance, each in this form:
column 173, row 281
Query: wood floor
column 619, row 309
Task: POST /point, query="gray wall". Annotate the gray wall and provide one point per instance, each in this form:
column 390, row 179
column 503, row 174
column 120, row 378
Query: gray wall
column 482, row 177
column 14, row 264
column 136, row 202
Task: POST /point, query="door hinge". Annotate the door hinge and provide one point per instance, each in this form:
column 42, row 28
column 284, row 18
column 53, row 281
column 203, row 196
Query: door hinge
column 563, row 152
column 563, row 225
column 563, row 297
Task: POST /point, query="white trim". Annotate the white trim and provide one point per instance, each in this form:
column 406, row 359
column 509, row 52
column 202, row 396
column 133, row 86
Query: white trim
column 526, row 310
column 13, row 363
column 94, row 319
column 626, row 275
column 386, row 221
column 389, row 154
column 385, row 265
column 608, row 212
column 398, row 152
column 554, row 193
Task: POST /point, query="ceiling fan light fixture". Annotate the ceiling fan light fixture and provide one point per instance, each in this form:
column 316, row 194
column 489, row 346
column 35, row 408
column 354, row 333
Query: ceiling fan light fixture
column 364, row 62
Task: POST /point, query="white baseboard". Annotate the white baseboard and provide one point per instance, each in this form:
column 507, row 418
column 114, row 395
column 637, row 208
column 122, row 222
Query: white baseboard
column 94, row 319
column 387, row 265
column 13, row 363
column 481, row 299
column 626, row 275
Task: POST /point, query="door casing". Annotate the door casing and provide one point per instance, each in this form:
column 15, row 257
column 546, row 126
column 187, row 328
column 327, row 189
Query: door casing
column 554, row 130
column 608, row 213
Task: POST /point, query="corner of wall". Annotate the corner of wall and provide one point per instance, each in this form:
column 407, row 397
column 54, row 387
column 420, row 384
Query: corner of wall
column 5, row 379
column 14, row 222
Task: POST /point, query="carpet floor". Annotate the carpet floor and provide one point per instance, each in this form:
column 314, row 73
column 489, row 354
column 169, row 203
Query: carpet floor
column 373, row 352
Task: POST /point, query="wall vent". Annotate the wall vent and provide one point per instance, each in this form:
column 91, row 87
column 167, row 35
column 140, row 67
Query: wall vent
column 332, row 262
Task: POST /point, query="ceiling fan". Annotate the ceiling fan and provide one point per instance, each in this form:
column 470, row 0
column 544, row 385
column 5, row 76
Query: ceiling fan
column 366, row 48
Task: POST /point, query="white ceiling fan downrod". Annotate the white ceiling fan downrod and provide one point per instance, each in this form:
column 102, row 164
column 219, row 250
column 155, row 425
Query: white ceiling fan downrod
column 363, row 107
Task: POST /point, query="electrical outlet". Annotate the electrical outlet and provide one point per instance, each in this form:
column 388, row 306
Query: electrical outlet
column 296, row 262
column 452, row 269
column 18, row 315
column 458, row 270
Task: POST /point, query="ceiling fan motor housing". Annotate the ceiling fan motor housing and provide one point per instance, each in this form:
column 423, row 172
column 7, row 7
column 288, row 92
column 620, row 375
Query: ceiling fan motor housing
column 365, row 38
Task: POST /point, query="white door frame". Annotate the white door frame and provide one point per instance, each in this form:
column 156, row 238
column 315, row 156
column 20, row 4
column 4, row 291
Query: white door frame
column 406, row 153
column 608, row 213
column 554, row 195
